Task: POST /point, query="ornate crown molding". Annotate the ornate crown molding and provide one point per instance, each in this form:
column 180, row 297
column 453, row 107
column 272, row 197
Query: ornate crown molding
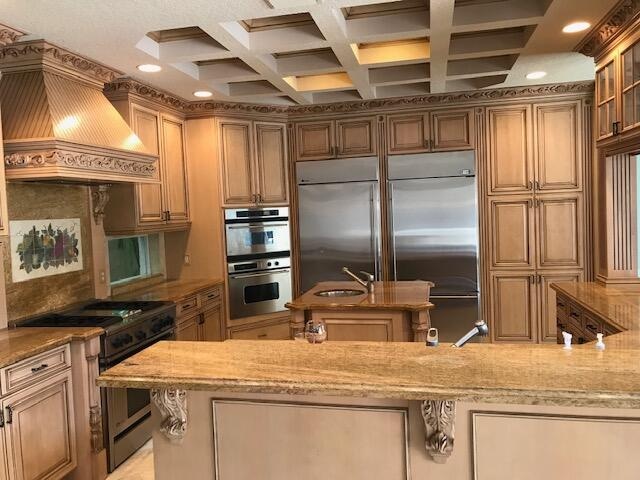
column 131, row 86
column 616, row 21
column 80, row 162
column 9, row 35
column 444, row 98
column 24, row 55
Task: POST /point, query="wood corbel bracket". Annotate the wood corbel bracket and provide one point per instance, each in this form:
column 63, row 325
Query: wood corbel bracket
column 439, row 418
column 100, row 198
column 172, row 404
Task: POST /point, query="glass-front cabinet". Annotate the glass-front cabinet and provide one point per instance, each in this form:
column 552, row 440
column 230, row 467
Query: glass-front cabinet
column 631, row 87
column 606, row 100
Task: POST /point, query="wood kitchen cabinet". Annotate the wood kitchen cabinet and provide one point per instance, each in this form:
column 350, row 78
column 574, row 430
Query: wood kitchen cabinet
column 153, row 207
column 253, row 158
column 276, row 328
column 364, row 326
column 39, row 430
column 430, row 132
column 513, row 232
column 323, row 140
column 199, row 317
column 513, row 306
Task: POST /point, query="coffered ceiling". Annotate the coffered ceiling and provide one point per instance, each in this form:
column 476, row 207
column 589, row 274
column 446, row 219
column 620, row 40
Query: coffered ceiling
column 316, row 51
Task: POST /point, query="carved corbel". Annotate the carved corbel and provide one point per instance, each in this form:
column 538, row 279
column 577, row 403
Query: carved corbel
column 439, row 417
column 172, row 404
column 100, row 197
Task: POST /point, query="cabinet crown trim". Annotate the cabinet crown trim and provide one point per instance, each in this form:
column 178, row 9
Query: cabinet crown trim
column 623, row 14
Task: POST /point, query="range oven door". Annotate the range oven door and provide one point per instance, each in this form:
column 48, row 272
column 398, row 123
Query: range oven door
column 257, row 293
column 257, row 238
column 127, row 414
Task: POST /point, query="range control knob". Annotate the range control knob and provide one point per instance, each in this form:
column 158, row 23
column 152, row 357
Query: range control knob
column 127, row 338
column 277, row 263
column 141, row 335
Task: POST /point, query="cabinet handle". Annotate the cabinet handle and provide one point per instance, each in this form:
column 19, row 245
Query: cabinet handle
column 530, row 203
column 9, row 414
column 40, row 368
column 532, row 279
column 259, row 198
column 615, row 128
column 1, row 419
column 530, row 185
column 536, row 185
column 592, row 328
column 262, row 335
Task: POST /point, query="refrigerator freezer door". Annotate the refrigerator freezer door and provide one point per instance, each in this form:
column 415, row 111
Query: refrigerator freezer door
column 338, row 227
column 454, row 316
column 435, row 233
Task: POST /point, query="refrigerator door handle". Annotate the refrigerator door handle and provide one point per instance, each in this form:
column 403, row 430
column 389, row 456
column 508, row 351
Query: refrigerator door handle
column 453, row 297
column 375, row 231
column 392, row 233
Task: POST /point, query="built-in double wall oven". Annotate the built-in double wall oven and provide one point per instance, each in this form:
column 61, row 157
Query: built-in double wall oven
column 258, row 260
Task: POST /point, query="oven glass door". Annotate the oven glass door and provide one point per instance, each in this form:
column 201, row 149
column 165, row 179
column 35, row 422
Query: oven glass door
column 258, row 293
column 251, row 239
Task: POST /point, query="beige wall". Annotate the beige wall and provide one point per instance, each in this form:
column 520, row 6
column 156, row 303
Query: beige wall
column 31, row 201
column 203, row 243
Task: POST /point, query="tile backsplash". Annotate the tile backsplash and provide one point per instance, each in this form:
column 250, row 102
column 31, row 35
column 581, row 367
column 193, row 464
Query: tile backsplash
column 62, row 205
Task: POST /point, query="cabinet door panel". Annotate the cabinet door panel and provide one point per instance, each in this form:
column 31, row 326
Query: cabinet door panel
column 558, row 158
column 510, row 169
column 315, row 140
column 512, row 236
column 560, row 230
column 146, row 124
column 363, row 327
column 40, row 436
column 235, row 155
column 548, row 313
column 408, row 133
column 175, row 185
column 187, row 330
column 356, row 137
column 211, row 326
column 278, row 330
column 451, row 130
column 513, row 308
column 271, row 159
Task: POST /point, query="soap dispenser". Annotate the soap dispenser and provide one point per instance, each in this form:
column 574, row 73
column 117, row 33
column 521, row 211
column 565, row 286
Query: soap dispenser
column 600, row 343
column 567, row 340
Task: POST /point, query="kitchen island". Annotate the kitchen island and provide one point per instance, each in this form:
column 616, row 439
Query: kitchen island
column 395, row 311
column 396, row 410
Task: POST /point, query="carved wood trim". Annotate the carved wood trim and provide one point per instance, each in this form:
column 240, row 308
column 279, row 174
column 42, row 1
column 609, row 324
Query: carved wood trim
column 9, row 35
column 130, row 86
column 100, row 198
column 172, row 404
column 17, row 57
column 439, row 418
column 92, row 350
column 81, row 161
column 610, row 28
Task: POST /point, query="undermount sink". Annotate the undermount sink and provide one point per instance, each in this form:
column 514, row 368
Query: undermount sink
column 346, row 292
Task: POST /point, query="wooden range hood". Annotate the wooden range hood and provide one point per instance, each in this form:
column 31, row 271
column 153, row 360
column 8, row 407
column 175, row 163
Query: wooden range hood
column 58, row 126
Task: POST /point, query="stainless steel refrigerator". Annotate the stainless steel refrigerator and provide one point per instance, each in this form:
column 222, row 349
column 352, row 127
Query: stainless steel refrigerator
column 339, row 218
column 433, row 218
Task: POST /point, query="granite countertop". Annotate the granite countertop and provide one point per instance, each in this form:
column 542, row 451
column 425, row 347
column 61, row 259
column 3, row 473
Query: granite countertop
column 412, row 296
column 516, row 373
column 170, row 291
column 19, row 343
column 619, row 307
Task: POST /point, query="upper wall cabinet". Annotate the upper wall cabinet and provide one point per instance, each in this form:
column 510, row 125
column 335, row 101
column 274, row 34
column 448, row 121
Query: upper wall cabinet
column 156, row 207
column 618, row 91
column 534, row 148
column 253, row 161
column 430, row 132
column 323, row 140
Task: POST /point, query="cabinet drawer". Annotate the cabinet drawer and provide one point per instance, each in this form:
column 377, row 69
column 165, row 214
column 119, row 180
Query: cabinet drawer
column 34, row 369
column 575, row 317
column 209, row 296
column 562, row 304
column 187, row 306
column 278, row 331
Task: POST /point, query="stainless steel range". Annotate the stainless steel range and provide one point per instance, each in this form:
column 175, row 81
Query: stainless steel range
column 129, row 327
column 258, row 260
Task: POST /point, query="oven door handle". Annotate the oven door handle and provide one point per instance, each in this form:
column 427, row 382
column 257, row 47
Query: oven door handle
column 260, row 274
column 255, row 227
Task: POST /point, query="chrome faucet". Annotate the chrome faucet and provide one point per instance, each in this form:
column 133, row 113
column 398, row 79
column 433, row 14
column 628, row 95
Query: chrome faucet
column 480, row 328
column 368, row 283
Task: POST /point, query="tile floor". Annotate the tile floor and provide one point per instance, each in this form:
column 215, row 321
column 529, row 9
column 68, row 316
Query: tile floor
column 137, row 467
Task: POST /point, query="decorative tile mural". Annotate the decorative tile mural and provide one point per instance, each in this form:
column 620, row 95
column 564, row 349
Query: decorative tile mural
column 40, row 248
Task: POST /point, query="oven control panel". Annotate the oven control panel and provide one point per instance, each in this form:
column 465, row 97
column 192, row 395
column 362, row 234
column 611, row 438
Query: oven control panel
column 259, row 265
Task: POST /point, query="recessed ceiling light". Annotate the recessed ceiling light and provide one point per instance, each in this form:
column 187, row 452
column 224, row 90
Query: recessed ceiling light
column 576, row 27
column 202, row 93
column 536, row 75
column 149, row 68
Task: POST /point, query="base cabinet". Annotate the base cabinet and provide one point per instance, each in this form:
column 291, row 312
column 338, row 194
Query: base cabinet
column 200, row 317
column 364, row 327
column 274, row 329
column 39, row 430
